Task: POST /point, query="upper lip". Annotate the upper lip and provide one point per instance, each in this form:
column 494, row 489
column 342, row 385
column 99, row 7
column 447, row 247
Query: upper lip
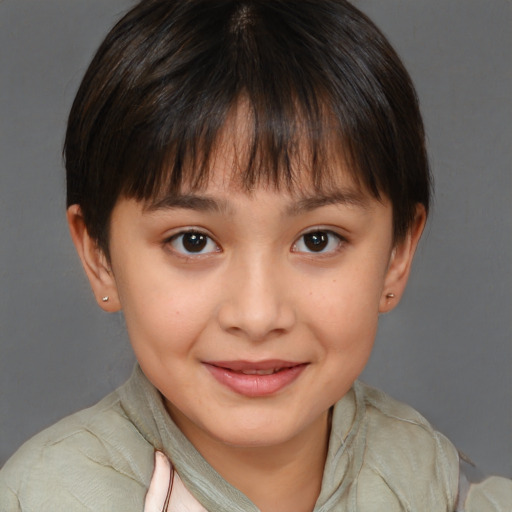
column 240, row 366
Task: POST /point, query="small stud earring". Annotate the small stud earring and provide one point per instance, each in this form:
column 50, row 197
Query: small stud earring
column 105, row 299
column 390, row 296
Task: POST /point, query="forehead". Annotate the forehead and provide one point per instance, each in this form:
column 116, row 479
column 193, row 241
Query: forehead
column 240, row 161
column 225, row 180
column 223, row 190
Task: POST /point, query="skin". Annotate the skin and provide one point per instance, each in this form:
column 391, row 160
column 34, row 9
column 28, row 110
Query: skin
column 255, row 292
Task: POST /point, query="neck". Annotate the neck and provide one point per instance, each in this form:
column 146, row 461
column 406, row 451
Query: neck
column 282, row 478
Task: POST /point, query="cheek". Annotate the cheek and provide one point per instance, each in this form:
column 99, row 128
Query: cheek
column 350, row 295
column 343, row 311
column 164, row 314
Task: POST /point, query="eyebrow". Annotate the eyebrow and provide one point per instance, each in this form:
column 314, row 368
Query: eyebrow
column 339, row 197
column 189, row 202
column 303, row 205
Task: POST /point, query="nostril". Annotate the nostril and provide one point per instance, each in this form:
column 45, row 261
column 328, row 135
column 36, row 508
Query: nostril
column 254, row 303
column 256, row 324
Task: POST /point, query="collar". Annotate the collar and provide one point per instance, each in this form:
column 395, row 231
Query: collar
column 144, row 406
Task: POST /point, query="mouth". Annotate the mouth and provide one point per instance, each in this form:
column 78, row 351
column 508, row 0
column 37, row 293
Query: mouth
column 255, row 379
column 260, row 372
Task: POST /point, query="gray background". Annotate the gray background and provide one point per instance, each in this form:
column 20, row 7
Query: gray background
column 446, row 350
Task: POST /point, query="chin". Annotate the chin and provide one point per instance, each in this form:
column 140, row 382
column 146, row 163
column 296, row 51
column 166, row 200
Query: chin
column 258, row 432
column 253, row 439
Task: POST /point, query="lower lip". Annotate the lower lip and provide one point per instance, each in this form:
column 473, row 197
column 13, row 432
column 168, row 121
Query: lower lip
column 256, row 385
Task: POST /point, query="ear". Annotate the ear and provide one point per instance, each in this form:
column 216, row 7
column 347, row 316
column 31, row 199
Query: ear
column 94, row 261
column 400, row 263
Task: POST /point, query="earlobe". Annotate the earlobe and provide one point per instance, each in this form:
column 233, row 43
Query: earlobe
column 94, row 261
column 400, row 263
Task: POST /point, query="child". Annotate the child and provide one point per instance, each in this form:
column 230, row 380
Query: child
column 248, row 182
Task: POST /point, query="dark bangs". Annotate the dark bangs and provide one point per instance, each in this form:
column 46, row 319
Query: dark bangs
column 316, row 79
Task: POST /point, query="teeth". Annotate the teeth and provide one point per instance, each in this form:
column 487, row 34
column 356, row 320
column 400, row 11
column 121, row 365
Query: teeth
column 260, row 372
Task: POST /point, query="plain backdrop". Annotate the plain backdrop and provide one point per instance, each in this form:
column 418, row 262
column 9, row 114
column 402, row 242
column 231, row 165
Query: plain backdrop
column 446, row 350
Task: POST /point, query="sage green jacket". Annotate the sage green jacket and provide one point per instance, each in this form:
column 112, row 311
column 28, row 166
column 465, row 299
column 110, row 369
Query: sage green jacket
column 383, row 456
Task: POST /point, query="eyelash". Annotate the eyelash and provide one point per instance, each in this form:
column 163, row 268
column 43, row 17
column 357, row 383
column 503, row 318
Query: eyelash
column 319, row 237
column 196, row 237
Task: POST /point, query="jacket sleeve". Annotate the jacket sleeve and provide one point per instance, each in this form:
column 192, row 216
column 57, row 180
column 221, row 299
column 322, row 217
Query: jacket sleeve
column 81, row 472
column 494, row 494
column 11, row 475
column 8, row 499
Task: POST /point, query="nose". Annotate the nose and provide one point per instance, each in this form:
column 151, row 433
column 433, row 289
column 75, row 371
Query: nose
column 256, row 305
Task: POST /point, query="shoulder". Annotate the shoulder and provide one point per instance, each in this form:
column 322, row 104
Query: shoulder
column 494, row 494
column 393, row 423
column 416, row 463
column 93, row 457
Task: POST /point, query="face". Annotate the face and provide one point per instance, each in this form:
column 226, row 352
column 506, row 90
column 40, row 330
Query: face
column 254, row 313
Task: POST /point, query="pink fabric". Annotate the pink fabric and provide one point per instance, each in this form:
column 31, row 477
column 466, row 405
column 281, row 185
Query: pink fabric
column 167, row 493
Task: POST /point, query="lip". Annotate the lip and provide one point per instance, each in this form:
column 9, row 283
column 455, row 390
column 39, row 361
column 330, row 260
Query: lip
column 230, row 374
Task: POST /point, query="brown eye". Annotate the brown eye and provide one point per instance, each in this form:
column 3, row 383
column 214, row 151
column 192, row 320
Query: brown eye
column 193, row 242
column 317, row 241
